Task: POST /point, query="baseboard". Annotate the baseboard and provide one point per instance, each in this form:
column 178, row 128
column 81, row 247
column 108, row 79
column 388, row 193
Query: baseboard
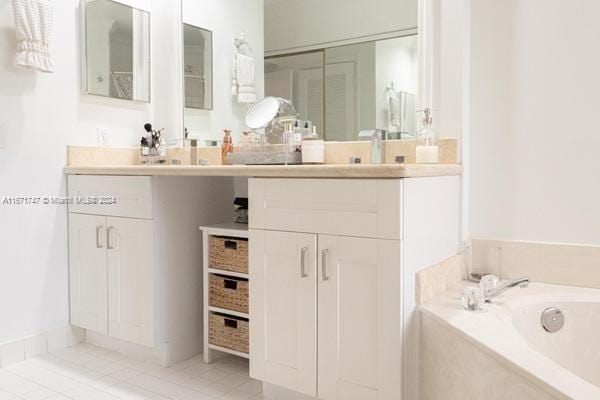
column 278, row 393
column 40, row 343
column 158, row 354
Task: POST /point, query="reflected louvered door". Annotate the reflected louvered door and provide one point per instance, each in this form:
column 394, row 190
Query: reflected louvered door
column 310, row 96
column 340, row 101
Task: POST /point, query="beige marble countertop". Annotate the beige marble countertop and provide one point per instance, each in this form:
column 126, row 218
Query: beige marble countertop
column 275, row 171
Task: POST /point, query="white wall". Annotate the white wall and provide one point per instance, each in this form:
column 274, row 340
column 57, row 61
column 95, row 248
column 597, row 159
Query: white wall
column 42, row 114
column 535, row 169
column 292, row 25
column 226, row 19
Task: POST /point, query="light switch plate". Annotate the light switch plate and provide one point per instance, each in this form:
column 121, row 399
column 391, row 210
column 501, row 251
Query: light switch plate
column 102, row 137
column 3, row 134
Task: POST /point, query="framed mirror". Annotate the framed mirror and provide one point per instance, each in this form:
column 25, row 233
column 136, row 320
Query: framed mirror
column 117, row 50
column 197, row 67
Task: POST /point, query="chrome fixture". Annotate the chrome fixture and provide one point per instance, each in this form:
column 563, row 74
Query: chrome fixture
column 552, row 319
column 522, row 282
column 378, row 137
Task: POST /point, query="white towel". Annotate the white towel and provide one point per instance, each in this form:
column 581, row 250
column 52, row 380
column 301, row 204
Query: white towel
column 393, row 108
column 243, row 79
column 33, row 23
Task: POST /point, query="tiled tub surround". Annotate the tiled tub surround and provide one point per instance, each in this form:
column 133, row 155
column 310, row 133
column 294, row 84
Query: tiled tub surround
column 335, row 153
column 505, row 354
column 563, row 264
column 437, row 279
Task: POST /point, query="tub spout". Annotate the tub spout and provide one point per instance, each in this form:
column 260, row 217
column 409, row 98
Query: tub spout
column 522, row 282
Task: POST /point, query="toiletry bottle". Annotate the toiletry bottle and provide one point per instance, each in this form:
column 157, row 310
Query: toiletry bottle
column 162, row 150
column 227, row 146
column 286, row 138
column 308, row 129
column 246, row 142
column 427, row 151
column 144, row 150
column 296, row 141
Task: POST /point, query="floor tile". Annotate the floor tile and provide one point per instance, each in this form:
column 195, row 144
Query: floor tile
column 87, row 372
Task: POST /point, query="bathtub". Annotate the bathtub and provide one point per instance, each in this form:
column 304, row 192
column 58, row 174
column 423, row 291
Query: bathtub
column 505, row 353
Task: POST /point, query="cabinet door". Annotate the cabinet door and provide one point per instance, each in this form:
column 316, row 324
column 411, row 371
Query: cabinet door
column 87, row 272
column 130, row 249
column 283, row 310
column 359, row 325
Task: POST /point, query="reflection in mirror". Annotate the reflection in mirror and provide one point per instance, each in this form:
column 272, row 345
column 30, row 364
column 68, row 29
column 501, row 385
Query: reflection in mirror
column 346, row 89
column 117, row 55
column 197, row 67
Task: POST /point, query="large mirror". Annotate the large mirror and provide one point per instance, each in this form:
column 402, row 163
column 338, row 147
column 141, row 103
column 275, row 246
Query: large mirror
column 197, row 67
column 117, row 50
column 346, row 65
column 346, row 89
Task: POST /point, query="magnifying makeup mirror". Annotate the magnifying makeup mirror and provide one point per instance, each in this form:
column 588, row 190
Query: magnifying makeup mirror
column 270, row 114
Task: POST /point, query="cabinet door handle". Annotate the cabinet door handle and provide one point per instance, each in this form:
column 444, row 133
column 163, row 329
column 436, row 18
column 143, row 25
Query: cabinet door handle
column 303, row 273
column 99, row 244
column 324, row 254
column 109, row 246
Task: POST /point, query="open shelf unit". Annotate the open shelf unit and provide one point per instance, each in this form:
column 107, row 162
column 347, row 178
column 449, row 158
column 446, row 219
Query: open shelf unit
column 233, row 230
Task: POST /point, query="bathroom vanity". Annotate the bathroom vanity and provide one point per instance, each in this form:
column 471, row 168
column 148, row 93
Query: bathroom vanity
column 332, row 267
column 135, row 278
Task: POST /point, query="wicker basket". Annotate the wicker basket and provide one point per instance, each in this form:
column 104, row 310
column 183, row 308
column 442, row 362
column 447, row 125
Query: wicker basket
column 229, row 254
column 229, row 293
column 229, row 332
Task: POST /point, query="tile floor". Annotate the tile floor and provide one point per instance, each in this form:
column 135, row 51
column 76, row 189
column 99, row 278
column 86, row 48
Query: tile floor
column 86, row 372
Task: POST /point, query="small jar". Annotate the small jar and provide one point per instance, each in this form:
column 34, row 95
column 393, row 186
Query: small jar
column 313, row 148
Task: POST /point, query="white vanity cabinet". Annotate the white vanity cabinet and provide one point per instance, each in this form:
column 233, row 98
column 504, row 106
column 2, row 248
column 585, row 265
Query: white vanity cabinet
column 332, row 264
column 111, row 276
column 136, row 265
column 283, row 305
column 111, row 262
column 88, row 277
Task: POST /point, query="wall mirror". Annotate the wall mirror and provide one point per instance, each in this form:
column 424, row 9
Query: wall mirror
column 197, row 67
column 117, row 50
column 360, row 73
column 346, row 89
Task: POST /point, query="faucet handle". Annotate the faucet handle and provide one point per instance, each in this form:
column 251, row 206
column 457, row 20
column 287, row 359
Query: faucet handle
column 473, row 299
column 489, row 282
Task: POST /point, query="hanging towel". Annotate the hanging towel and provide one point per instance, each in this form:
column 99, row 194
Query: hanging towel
column 393, row 108
column 33, row 23
column 243, row 78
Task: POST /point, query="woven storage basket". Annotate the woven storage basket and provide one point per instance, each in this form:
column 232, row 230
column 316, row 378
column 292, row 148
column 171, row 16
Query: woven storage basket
column 229, row 332
column 229, row 254
column 229, row 293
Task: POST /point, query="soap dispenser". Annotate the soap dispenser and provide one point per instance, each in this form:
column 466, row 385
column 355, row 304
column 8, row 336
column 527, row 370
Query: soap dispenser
column 227, row 146
column 427, row 151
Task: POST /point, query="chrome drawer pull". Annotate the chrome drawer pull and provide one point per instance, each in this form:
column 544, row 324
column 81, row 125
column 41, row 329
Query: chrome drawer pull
column 324, row 254
column 109, row 246
column 99, row 245
column 303, row 273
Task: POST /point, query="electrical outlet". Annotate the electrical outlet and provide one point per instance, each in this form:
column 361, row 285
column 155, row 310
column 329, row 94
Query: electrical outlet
column 3, row 134
column 102, row 136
